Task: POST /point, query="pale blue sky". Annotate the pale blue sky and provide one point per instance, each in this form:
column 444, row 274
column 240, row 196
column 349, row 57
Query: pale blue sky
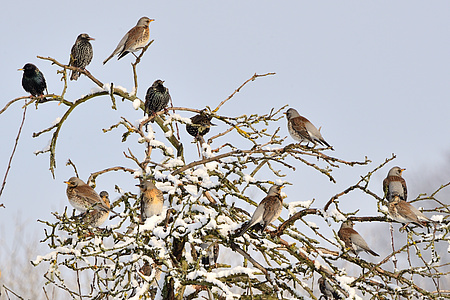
column 374, row 75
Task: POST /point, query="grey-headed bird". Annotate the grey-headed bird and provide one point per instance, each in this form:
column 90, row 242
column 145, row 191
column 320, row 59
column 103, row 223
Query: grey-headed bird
column 267, row 211
column 133, row 40
column 403, row 212
column 97, row 217
column 302, row 130
column 352, row 239
column 395, row 184
column 83, row 197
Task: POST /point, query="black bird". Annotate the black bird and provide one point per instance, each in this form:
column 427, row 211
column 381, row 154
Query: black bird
column 200, row 126
column 81, row 54
column 33, row 80
column 211, row 254
column 157, row 98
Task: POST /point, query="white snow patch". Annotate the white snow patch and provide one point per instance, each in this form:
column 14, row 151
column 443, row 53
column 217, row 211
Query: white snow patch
column 56, row 121
column 137, row 104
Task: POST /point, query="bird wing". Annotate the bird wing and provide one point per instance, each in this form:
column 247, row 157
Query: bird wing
column 119, row 48
column 386, row 187
column 390, row 179
column 409, row 212
column 91, row 197
column 299, row 125
column 132, row 37
column 272, row 209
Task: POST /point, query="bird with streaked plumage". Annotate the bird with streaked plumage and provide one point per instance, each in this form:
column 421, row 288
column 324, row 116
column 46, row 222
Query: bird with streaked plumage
column 156, row 99
column 353, row 240
column 395, row 185
column 83, row 197
column 327, row 290
column 267, row 211
column 403, row 212
column 302, row 130
column 135, row 39
column 33, row 80
column 97, row 217
column 200, row 125
column 81, row 54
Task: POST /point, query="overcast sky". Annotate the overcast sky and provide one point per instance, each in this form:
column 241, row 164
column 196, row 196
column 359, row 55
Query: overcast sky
column 374, row 75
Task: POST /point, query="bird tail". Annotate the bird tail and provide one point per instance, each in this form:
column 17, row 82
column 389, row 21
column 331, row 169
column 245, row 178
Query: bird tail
column 111, row 56
column 328, row 145
column 243, row 229
column 372, row 252
column 75, row 75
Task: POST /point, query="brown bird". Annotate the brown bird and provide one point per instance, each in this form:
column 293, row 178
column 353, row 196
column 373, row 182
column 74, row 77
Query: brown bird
column 302, row 130
column 352, row 239
column 152, row 199
column 83, row 197
column 267, row 211
column 403, row 212
column 97, row 217
column 395, row 184
column 133, row 40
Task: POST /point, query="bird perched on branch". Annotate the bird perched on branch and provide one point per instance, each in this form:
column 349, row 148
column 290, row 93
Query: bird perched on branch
column 267, row 211
column 133, row 40
column 302, row 130
column 327, row 290
column 97, row 217
column 152, row 199
column 157, row 98
column 212, row 254
column 33, row 80
column 83, row 197
column 353, row 239
column 81, row 54
column 200, row 125
column 394, row 184
column 403, row 212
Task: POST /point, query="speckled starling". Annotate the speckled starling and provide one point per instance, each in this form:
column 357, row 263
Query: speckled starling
column 328, row 292
column 302, row 130
column 200, row 126
column 157, row 98
column 133, row 40
column 81, row 54
column 33, row 80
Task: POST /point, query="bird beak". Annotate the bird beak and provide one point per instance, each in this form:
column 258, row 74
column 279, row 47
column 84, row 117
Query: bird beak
column 91, row 39
column 212, row 124
column 19, row 69
column 152, row 20
column 67, row 182
column 401, row 170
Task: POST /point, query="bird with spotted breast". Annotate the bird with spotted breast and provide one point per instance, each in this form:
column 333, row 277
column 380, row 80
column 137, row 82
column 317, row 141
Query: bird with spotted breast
column 403, row 212
column 200, row 125
column 135, row 39
column 151, row 198
column 211, row 253
column 395, row 184
column 327, row 290
column 83, row 197
column 302, row 130
column 97, row 217
column 156, row 99
column 33, row 80
column 352, row 239
column 81, row 54
column 267, row 211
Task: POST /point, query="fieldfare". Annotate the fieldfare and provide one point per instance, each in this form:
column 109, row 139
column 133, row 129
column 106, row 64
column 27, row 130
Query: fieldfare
column 302, row 130
column 83, row 197
column 267, row 211
column 81, row 54
column 133, row 40
column 97, row 217
column 403, row 212
column 327, row 290
column 395, row 185
column 157, row 98
column 151, row 200
column 352, row 239
column 33, row 80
